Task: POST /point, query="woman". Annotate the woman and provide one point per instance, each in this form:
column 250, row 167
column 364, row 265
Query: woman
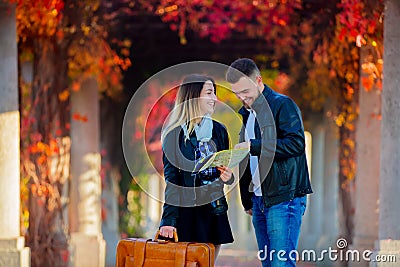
column 195, row 206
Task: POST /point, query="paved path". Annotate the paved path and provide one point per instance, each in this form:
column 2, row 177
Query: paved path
column 240, row 258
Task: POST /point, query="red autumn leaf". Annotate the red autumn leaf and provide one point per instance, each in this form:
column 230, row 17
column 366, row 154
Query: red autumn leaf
column 76, row 116
column 367, row 83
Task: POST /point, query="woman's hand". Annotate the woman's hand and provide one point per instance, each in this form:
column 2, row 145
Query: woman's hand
column 167, row 231
column 226, row 173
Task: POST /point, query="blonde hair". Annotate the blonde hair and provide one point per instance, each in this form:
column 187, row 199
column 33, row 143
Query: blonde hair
column 186, row 109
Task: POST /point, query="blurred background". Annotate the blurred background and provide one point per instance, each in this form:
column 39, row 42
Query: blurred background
column 70, row 69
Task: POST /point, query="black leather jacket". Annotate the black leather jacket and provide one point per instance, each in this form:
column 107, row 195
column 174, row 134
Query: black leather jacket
column 280, row 148
column 174, row 161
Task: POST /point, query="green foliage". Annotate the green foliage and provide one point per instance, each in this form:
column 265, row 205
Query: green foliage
column 131, row 208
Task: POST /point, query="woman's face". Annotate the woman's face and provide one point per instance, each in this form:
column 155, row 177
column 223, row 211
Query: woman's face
column 207, row 98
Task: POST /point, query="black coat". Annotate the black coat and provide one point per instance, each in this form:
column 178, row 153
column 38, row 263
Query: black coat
column 183, row 207
column 279, row 145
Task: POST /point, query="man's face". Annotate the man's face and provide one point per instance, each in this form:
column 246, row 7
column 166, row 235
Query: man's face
column 247, row 90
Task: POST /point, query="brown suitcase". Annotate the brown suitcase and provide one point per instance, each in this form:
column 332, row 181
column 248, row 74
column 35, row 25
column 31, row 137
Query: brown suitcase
column 135, row 252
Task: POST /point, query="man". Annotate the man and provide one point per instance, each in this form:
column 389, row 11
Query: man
column 275, row 181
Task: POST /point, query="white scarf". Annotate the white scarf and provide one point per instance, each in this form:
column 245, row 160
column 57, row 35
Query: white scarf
column 203, row 130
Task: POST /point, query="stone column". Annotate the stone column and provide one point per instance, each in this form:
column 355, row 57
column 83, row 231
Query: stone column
column 389, row 187
column 13, row 252
column 240, row 222
column 110, row 228
column 330, row 224
column 329, row 188
column 312, row 220
column 85, row 205
column 315, row 200
column 367, row 174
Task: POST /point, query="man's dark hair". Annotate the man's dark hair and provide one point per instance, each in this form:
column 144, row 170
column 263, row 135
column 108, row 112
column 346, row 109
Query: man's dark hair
column 241, row 67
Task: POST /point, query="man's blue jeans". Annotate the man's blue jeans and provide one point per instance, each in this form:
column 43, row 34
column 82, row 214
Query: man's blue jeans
column 277, row 230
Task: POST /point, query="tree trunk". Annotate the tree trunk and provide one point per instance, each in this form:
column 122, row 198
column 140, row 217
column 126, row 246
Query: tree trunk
column 48, row 169
column 347, row 107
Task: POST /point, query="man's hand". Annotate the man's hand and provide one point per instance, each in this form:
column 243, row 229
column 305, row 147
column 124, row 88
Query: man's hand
column 167, row 231
column 226, row 173
column 243, row 145
column 249, row 212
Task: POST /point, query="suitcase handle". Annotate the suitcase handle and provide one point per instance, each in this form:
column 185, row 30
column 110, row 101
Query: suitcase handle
column 139, row 253
column 164, row 241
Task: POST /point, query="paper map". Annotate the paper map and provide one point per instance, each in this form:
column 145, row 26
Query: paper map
column 229, row 158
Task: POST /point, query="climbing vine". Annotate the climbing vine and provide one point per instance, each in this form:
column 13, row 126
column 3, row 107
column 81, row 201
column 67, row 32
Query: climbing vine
column 60, row 43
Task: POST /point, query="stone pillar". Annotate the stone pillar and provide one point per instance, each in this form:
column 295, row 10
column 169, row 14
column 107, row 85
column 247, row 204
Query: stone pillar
column 85, row 205
column 315, row 200
column 152, row 205
column 312, row 220
column 13, row 252
column 326, row 137
column 240, row 222
column 389, row 187
column 154, row 208
column 330, row 224
column 367, row 174
column 110, row 227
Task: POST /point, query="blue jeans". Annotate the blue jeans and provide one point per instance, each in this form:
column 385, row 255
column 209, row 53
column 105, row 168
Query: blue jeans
column 277, row 230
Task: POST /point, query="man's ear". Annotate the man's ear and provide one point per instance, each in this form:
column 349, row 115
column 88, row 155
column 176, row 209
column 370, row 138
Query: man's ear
column 259, row 82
